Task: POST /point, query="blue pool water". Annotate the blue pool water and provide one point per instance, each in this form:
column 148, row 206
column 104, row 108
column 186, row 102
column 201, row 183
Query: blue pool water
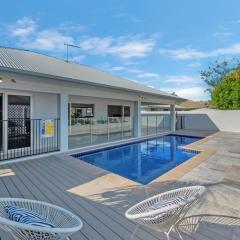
column 142, row 161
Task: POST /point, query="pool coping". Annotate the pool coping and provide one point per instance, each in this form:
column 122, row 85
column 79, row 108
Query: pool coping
column 179, row 171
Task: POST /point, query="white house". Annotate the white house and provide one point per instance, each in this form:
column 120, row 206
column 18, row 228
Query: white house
column 48, row 104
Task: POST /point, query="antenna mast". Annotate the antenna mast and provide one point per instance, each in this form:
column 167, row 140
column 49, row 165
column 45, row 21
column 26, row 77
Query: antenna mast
column 69, row 45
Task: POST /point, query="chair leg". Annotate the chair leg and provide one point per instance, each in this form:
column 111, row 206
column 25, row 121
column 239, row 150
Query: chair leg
column 167, row 235
column 179, row 234
column 134, row 232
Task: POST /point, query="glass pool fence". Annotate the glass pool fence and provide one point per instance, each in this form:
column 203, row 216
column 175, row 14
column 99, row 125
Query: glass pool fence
column 92, row 131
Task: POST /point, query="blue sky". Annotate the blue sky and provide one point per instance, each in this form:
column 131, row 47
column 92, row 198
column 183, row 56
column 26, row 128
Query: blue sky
column 163, row 44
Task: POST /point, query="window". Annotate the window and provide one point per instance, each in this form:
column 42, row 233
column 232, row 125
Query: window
column 82, row 110
column 114, row 111
column 118, row 111
column 126, row 111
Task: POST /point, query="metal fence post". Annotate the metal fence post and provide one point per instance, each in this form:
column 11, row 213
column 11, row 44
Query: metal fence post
column 91, row 138
column 108, row 132
column 156, row 124
column 163, row 122
column 147, row 124
column 122, row 127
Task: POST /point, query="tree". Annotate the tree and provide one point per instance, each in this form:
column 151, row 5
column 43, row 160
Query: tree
column 217, row 71
column 227, row 94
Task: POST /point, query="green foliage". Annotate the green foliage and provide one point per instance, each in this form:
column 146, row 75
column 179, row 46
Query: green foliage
column 227, row 94
column 217, row 71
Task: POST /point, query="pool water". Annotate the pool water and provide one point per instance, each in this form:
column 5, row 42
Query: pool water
column 142, row 161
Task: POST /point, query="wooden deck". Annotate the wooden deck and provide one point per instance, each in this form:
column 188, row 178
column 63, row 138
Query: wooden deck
column 101, row 199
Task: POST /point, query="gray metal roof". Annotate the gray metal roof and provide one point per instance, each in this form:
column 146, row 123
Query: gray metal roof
column 29, row 62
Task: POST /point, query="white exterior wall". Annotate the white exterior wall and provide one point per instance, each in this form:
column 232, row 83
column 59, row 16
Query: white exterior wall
column 214, row 120
column 207, row 119
column 101, row 104
column 45, row 106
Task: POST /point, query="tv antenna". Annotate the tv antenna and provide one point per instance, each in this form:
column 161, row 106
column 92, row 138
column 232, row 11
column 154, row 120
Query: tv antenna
column 70, row 45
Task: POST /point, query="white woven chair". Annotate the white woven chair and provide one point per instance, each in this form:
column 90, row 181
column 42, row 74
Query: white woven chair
column 163, row 211
column 64, row 221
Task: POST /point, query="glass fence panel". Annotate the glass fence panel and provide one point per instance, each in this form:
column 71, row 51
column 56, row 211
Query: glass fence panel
column 89, row 131
column 151, row 125
column 115, row 128
column 144, row 125
column 79, row 132
column 160, row 123
column 99, row 130
column 167, row 123
column 127, row 127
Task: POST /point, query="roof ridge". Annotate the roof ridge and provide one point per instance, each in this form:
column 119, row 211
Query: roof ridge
column 15, row 48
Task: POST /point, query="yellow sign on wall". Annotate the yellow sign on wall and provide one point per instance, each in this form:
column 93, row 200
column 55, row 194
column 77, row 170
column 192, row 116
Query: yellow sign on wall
column 48, row 128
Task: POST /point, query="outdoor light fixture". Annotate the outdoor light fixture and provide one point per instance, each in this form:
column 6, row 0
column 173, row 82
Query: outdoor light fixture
column 141, row 97
column 12, row 80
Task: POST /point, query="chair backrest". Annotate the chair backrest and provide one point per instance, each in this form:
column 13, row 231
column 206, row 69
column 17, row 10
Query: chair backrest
column 62, row 219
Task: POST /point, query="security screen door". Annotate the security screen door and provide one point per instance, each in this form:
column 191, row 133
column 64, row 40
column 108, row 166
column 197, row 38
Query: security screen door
column 19, row 123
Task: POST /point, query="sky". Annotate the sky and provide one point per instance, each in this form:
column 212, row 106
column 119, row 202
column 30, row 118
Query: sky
column 160, row 43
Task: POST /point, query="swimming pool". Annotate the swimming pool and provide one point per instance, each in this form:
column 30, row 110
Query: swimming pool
column 142, row 161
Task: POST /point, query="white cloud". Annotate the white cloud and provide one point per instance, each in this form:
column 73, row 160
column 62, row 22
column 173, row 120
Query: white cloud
column 184, row 53
column 136, row 72
column 71, row 27
column 222, row 35
column 119, row 68
column 235, row 21
column 47, row 40
column 130, row 63
column 142, row 74
column 191, row 53
column 77, row 59
column 23, row 27
column 134, row 48
column 123, row 47
column 148, row 75
column 193, row 93
column 26, row 34
column 179, row 79
column 232, row 50
column 119, row 15
column 194, row 65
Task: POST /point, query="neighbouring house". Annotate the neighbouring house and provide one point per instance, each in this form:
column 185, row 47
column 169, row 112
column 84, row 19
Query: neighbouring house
column 48, row 104
column 184, row 106
column 192, row 105
column 159, row 108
